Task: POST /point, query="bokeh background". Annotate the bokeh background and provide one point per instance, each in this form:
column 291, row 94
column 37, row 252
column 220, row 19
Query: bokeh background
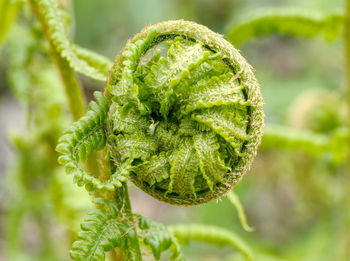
column 293, row 200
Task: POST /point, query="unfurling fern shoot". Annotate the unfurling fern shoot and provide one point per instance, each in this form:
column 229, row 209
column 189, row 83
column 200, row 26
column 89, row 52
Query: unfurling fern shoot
column 181, row 116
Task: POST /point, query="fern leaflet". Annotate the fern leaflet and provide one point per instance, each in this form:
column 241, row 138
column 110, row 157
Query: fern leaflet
column 81, row 60
column 158, row 238
column 102, row 230
column 85, row 136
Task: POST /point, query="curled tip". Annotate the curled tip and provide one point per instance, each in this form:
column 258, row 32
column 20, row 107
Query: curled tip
column 206, row 104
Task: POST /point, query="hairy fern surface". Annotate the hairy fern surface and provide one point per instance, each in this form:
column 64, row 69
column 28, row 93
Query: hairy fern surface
column 289, row 21
column 186, row 113
column 102, row 230
column 86, row 62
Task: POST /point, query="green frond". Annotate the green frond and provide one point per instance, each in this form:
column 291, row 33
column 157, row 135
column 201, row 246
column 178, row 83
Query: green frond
column 95, row 60
column 333, row 145
column 211, row 235
column 234, row 199
column 81, row 60
column 291, row 21
column 83, row 137
column 158, row 238
column 102, row 230
column 279, row 137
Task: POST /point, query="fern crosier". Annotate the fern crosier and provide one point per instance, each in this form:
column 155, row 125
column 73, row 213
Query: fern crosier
column 185, row 114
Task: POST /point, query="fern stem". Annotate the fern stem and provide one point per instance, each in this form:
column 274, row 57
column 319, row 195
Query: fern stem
column 211, row 235
column 347, row 72
column 75, row 96
column 131, row 249
column 347, row 50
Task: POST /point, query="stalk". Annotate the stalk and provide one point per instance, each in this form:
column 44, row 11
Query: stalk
column 130, row 250
column 73, row 90
column 77, row 104
column 347, row 75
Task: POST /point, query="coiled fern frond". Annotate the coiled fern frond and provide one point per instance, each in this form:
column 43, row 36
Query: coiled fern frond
column 184, row 116
column 186, row 109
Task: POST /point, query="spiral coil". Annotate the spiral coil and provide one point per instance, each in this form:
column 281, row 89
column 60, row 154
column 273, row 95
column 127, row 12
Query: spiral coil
column 186, row 113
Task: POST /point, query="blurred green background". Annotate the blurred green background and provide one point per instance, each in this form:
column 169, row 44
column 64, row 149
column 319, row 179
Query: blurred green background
column 293, row 200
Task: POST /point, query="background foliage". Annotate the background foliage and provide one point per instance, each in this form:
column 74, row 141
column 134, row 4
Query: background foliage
column 296, row 194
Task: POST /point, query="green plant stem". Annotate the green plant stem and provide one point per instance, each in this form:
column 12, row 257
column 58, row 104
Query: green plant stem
column 74, row 93
column 75, row 96
column 347, row 74
column 131, row 249
column 211, row 235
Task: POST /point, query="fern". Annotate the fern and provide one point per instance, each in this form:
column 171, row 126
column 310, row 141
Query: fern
column 158, row 238
column 211, row 235
column 182, row 113
column 289, row 22
column 86, row 62
column 97, row 61
column 85, row 136
column 102, row 230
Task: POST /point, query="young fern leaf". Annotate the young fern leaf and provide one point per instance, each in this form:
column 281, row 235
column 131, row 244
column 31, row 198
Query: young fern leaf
column 102, row 230
column 85, row 136
column 211, row 235
column 186, row 112
column 81, row 60
column 287, row 22
column 157, row 237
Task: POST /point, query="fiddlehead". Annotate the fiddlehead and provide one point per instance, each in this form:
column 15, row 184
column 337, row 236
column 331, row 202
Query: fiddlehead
column 184, row 118
column 185, row 111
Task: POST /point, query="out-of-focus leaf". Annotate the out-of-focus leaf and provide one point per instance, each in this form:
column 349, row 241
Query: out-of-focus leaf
column 291, row 21
column 8, row 14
